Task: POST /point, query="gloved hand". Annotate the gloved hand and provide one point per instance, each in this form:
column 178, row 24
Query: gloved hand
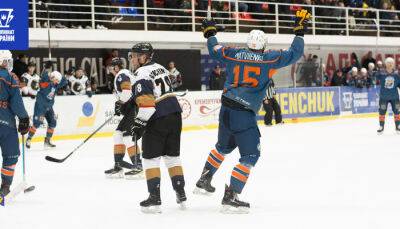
column 137, row 129
column 89, row 94
column 118, row 108
column 300, row 23
column 208, row 27
column 23, row 126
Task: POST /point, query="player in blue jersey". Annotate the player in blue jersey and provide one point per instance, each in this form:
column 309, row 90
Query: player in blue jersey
column 50, row 83
column 248, row 76
column 11, row 105
column 389, row 80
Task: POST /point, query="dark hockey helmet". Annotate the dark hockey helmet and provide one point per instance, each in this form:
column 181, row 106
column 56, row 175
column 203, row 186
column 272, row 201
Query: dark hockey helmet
column 71, row 71
column 144, row 48
column 117, row 62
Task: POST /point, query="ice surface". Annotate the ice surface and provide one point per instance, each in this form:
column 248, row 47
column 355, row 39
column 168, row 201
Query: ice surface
column 332, row 174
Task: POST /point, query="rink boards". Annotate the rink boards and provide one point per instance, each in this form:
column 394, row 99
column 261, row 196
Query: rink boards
column 78, row 116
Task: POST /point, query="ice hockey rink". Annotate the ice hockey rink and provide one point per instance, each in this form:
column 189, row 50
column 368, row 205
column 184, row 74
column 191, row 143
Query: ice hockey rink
column 330, row 174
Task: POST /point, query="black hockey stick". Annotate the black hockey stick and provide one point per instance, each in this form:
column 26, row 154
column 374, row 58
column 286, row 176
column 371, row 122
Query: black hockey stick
column 52, row 159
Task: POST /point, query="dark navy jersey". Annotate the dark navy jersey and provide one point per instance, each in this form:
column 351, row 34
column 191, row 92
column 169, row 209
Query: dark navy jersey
column 11, row 104
column 152, row 84
column 389, row 83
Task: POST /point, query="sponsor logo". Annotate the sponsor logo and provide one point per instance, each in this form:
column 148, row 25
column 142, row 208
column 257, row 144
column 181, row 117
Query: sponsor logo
column 14, row 25
column 186, row 108
column 89, row 114
column 347, row 99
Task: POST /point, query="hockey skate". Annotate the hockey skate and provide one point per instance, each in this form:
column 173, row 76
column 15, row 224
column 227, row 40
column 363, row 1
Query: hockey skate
column 152, row 204
column 48, row 144
column 4, row 190
column 181, row 199
column 28, row 142
column 231, row 203
column 116, row 172
column 380, row 130
column 135, row 174
column 203, row 185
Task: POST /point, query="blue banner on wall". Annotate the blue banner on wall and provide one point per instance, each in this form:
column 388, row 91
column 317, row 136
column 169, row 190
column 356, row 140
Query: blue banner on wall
column 359, row 100
column 14, row 24
column 308, row 102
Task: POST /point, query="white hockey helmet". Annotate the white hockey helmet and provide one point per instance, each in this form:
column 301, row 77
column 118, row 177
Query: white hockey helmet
column 6, row 59
column 257, row 40
column 379, row 63
column 371, row 66
column 56, row 76
column 364, row 71
column 354, row 69
column 389, row 60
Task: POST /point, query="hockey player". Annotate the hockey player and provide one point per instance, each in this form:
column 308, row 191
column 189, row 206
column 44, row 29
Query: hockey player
column 389, row 81
column 50, row 82
column 80, row 83
column 123, row 82
column 159, row 121
column 11, row 105
column 30, row 81
column 248, row 72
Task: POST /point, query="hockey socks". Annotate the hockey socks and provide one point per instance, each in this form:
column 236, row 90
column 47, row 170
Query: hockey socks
column 32, row 132
column 214, row 161
column 49, row 133
column 240, row 174
column 153, row 177
column 397, row 121
column 134, row 155
column 7, row 174
column 382, row 120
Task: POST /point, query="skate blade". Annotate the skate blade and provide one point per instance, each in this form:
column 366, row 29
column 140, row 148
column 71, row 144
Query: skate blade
column 139, row 176
column 227, row 209
column 201, row 192
column 182, row 206
column 151, row 210
column 115, row 176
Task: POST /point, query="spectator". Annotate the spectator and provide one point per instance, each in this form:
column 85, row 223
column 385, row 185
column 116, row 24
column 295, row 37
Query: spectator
column 110, row 74
column 217, row 78
column 338, row 79
column 20, row 65
column 379, row 66
column 347, row 67
column 175, row 76
column 80, row 83
column 68, row 75
column 354, row 61
column 368, row 59
column 328, row 78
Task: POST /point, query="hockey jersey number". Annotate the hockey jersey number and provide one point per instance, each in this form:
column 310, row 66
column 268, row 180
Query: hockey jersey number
column 164, row 84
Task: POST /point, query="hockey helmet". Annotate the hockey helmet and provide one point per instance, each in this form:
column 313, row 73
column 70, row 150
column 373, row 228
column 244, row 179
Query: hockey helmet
column 6, row 59
column 143, row 48
column 117, row 62
column 256, row 40
column 56, row 75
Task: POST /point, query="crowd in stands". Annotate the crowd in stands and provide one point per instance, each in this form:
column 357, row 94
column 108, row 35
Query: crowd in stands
column 107, row 16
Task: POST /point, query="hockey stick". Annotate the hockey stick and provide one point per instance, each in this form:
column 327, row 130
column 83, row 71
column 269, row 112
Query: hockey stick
column 30, row 188
column 209, row 10
column 52, row 159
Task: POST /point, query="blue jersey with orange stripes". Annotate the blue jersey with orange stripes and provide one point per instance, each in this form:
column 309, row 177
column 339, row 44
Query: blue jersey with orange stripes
column 248, row 72
column 48, row 90
column 11, row 104
column 389, row 83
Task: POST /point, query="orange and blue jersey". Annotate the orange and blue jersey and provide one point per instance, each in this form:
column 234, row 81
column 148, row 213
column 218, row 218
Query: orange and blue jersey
column 389, row 83
column 248, row 72
column 47, row 91
column 11, row 104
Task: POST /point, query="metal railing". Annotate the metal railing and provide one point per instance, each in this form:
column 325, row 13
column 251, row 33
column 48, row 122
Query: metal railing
column 230, row 15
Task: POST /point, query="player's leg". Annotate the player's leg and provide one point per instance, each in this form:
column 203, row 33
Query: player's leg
column 247, row 137
column 225, row 145
column 396, row 110
column 119, row 153
column 51, row 125
column 382, row 113
column 9, row 145
column 172, row 157
column 134, row 154
column 277, row 111
column 153, row 141
column 37, row 120
column 268, row 112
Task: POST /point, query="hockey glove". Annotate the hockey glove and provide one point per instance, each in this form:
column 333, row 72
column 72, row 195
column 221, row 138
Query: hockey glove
column 208, row 27
column 89, row 94
column 300, row 23
column 118, row 108
column 138, row 129
column 23, row 126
